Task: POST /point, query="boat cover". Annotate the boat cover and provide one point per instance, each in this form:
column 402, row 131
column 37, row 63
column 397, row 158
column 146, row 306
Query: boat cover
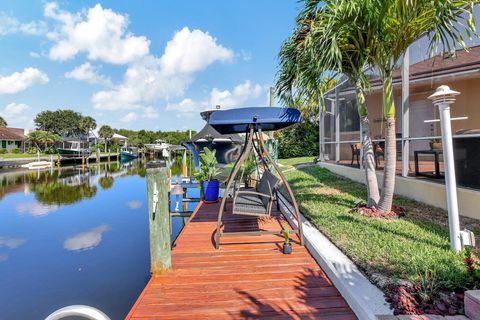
column 265, row 118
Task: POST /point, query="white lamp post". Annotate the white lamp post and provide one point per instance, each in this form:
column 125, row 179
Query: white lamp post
column 443, row 98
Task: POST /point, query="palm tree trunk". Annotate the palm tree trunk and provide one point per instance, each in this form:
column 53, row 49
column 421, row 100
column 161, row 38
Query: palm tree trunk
column 368, row 152
column 390, row 151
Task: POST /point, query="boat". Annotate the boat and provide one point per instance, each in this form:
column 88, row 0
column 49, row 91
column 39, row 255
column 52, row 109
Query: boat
column 75, row 151
column 128, row 153
column 227, row 146
column 37, row 165
column 158, row 146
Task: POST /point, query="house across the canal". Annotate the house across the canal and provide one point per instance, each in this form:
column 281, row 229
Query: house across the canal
column 11, row 138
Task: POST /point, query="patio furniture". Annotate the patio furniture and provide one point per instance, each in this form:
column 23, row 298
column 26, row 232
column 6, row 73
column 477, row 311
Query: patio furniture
column 259, row 203
column 436, row 153
column 355, row 152
column 378, row 152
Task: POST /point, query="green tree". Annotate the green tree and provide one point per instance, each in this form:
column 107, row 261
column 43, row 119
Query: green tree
column 60, row 122
column 386, row 28
column 106, row 133
column 3, row 123
column 395, row 26
column 87, row 124
column 43, row 139
column 325, row 45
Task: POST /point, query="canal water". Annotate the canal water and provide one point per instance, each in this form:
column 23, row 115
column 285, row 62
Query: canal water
column 72, row 236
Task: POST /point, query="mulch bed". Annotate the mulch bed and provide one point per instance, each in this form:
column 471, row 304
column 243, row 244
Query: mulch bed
column 412, row 301
column 362, row 209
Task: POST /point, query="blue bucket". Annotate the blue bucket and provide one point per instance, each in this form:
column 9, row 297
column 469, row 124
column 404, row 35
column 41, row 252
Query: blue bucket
column 210, row 190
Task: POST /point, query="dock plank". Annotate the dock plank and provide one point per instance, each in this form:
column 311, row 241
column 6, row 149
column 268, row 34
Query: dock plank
column 247, row 278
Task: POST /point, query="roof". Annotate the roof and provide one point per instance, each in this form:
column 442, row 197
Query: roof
column 119, row 136
column 438, row 66
column 429, row 69
column 12, row 134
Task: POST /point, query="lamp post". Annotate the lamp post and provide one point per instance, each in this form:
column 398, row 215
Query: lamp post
column 443, row 98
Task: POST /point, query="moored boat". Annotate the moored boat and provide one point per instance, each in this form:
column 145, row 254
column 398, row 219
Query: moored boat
column 75, row 151
column 127, row 154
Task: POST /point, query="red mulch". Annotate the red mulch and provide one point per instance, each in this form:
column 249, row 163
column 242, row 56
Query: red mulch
column 410, row 301
column 362, row 209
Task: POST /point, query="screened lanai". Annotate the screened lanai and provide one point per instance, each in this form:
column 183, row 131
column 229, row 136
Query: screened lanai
column 419, row 153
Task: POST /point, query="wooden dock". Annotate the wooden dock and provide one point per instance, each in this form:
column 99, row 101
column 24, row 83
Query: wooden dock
column 247, row 278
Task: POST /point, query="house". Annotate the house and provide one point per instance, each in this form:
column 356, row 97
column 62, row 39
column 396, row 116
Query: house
column 11, row 138
column 416, row 165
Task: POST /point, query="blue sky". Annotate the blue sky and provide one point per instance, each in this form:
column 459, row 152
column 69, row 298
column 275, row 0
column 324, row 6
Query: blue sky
column 138, row 64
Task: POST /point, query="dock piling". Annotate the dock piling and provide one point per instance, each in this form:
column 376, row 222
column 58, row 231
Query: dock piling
column 159, row 217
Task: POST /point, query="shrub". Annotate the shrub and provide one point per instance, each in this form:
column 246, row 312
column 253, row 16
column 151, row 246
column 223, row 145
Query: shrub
column 300, row 140
column 32, row 150
column 15, row 150
column 3, row 150
column 51, row 150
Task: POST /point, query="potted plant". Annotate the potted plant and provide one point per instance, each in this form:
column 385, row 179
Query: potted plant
column 247, row 169
column 208, row 170
column 436, row 144
column 287, row 246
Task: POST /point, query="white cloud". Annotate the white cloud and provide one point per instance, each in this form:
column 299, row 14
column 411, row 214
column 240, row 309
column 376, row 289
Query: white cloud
column 87, row 72
column 34, row 54
column 129, row 117
column 98, row 32
column 86, row 240
column 19, row 81
column 192, row 51
column 14, row 109
column 11, row 243
column 134, row 204
column 150, row 79
column 241, row 94
column 35, row 209
column 9, row 25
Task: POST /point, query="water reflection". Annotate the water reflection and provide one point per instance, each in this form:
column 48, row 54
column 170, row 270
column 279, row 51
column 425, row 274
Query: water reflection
column 35, row 209
column 55, row 223
column 11, row 243
column 134, row 204
column 86, row 240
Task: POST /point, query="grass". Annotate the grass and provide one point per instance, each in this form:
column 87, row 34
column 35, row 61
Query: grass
column 294, row 161
column 19, row 155
column 410, row 248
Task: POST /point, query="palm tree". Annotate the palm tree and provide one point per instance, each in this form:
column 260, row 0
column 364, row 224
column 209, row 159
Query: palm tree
column 106, row 133
column 87, row 124
column 324, row 45
column 396, row 24
column 42, row 138
column 3, row 123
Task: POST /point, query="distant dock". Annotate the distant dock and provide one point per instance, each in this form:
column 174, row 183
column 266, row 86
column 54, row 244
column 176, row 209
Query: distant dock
column 15, row 163
column 247, row 278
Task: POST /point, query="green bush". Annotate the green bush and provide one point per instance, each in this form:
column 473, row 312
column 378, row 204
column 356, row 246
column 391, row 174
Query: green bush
column 114, row 147
column 50, row 150
column 100, row 146
column 32, row 150
column 300, row 140
column 15, row 150
column 3, row 150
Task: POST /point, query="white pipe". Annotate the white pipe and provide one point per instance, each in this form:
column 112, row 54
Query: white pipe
column 78, row 311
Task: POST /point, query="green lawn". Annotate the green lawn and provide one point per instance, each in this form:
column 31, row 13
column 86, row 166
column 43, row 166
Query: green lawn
column 414, row 248
column 20, row 155
column 299, row 160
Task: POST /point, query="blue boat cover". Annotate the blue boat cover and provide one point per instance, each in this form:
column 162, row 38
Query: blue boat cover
column 265, row 118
